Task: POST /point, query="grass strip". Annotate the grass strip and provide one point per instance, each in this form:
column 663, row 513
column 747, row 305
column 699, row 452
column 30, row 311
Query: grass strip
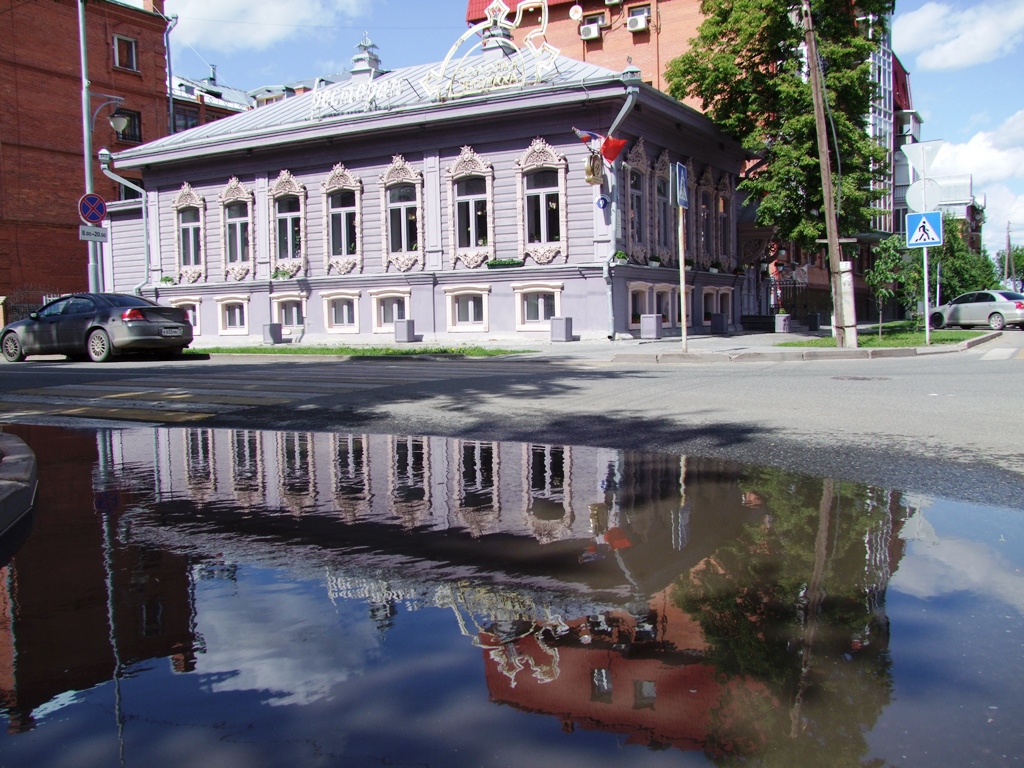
column 294, row 349
column 896, row 337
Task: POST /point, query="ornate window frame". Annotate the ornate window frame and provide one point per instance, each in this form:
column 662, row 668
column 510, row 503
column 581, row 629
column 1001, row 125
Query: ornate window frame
column 278, row 299
column 521, row 290
column 638, row 248
column 453, row 292
column 467, row 165
column 235, row 192
column 379, row 294
column 633, row 288
column 287, row 186
column 705, row 225
column 724, row 220
column 400, row 172
column 538, row 157
column 669, row 292
column 330, row 296
column 669, row 254
column 223, row 302
column 190, row 301
column 187, row 197
column 341, row 178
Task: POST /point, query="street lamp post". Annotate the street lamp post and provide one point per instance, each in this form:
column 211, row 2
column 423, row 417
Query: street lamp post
column 117, row 121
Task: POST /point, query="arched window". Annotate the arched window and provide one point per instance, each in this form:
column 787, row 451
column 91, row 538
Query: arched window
column 190, row 233
column 541, row 195
column 288, row 214
column 236, row 238
column 402, row 215
column 471, row 200
column 343, row 221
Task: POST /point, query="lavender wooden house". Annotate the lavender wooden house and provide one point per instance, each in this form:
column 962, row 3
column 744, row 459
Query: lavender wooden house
column 450, row 202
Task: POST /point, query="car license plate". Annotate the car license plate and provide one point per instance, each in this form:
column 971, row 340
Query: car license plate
column 170, row 331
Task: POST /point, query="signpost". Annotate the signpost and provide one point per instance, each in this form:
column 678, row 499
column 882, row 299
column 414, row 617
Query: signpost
column 682, row 190
column 924, row 228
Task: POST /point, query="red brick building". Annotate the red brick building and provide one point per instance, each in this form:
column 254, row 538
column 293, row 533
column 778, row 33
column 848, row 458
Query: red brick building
column 650, row 32
column 41, row 160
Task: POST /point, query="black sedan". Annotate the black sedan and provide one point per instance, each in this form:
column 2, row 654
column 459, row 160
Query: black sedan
column 97, row 326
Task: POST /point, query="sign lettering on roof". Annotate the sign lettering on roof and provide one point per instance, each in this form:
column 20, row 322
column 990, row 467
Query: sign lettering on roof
column 376, row 94
column 466, row 75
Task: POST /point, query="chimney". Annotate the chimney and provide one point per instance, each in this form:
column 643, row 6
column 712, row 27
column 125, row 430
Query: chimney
column 153, row 6
column 212, row 79
column 366, row 63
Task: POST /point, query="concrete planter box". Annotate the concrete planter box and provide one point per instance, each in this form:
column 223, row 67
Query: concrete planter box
column 719, row 323
column 405, row 331
column 272, row 333
column 561, row 329
column 650, row 326
column 782, row 323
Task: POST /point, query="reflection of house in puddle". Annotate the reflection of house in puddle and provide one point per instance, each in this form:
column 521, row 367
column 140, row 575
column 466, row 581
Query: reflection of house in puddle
column 70, row 582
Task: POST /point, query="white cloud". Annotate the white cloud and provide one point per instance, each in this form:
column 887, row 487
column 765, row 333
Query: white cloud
column 236, row 25
column 990, row 156
column 945, row 38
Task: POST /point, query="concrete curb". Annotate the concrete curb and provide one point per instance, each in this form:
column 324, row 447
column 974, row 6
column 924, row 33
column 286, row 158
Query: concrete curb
column 18, row 480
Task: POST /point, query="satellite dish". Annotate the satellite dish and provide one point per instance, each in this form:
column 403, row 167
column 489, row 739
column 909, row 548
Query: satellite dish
column 576, row 13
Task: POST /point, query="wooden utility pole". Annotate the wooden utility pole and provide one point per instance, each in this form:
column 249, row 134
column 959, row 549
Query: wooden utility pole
column 846, row 327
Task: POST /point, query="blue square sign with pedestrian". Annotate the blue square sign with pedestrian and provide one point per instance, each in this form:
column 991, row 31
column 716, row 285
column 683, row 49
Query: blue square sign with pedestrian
column 924, row 229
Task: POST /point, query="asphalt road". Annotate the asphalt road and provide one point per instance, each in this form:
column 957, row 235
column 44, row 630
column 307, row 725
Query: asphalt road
column 940, row 425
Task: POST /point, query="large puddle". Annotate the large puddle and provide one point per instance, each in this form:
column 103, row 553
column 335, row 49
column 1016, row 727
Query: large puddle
column 194, row 597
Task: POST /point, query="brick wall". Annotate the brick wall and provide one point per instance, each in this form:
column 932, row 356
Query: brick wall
column 41, row 162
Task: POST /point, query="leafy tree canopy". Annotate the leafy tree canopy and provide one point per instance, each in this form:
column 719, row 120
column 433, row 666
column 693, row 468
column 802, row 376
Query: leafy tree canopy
column 747, row 66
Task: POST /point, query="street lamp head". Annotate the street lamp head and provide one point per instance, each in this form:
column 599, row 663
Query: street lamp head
column 104, row 157
column 118, row 121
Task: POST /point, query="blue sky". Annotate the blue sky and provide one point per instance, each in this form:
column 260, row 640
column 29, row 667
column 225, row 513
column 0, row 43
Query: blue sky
column 966, row 61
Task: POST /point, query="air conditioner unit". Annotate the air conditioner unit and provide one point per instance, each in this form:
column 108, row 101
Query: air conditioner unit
column 590, row 31
column 613, row 2
column 637, row 23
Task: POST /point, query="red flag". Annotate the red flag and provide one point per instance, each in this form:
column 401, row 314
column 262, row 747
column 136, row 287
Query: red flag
column 611, row 148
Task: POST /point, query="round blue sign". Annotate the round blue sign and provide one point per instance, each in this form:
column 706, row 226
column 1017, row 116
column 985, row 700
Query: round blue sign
column 602, row 202
column 92, row 208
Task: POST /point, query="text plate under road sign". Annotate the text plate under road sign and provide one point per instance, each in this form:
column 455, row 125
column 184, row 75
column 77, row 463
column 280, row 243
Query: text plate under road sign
column 924, row 229
column 92, row 234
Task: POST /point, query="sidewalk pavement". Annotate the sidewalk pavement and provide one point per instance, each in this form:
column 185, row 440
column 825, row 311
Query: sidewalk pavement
column 733, row 347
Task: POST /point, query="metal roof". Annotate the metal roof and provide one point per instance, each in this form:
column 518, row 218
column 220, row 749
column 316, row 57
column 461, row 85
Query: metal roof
column 400, row 92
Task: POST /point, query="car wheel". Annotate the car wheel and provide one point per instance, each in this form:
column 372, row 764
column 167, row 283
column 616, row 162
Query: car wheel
column 98, row 346
column 938, row 320
column 13, row 352
column 996, row 322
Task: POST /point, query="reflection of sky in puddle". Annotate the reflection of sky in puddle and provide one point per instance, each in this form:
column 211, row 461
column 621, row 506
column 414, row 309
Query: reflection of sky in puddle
column 308, row 599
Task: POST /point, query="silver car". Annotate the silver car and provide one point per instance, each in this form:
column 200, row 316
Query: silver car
column 996, row 309
column 97, row 326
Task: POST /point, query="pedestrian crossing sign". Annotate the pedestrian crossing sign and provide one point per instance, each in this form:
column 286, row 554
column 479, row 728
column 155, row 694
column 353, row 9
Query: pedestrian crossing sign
column 924, row 229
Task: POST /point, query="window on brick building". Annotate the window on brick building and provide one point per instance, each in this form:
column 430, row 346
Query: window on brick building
column 133, row 128
column 185, row 117
column 126, row 53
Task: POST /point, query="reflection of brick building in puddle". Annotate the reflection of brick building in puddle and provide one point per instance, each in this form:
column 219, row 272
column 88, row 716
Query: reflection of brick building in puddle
column 642, row 677
column 61, row 588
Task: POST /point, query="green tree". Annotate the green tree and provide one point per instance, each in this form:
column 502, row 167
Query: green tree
column 1016, row 267
column 884, row 276
column 955, row 268
column 747, row 67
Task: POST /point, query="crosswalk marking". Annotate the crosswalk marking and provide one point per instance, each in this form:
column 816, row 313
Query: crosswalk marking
column 1003, row 353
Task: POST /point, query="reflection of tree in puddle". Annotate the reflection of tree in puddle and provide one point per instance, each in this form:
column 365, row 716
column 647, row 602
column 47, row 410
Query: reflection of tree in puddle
column 796, row 603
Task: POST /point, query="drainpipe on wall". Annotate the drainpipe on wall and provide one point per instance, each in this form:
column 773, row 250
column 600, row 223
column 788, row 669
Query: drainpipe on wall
column 631, row 77
column 105, row 160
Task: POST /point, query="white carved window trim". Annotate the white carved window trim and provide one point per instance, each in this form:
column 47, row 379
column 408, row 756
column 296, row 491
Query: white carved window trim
column 469, row 164
column 705, row 225
column 235, row 192
column 724, row 215
column 669, row 291
column 341, row 179
column 542, row 156
column 668, row 252
column 400, row 172
column 287, row 186
column 330, row 296
column 223, row 302
column 637, row 244
column 278, row 299
column 634, row 288
column 452, row 293
column 185, row 301
column 521, row 290
column 189, row 198
column 377, row 295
